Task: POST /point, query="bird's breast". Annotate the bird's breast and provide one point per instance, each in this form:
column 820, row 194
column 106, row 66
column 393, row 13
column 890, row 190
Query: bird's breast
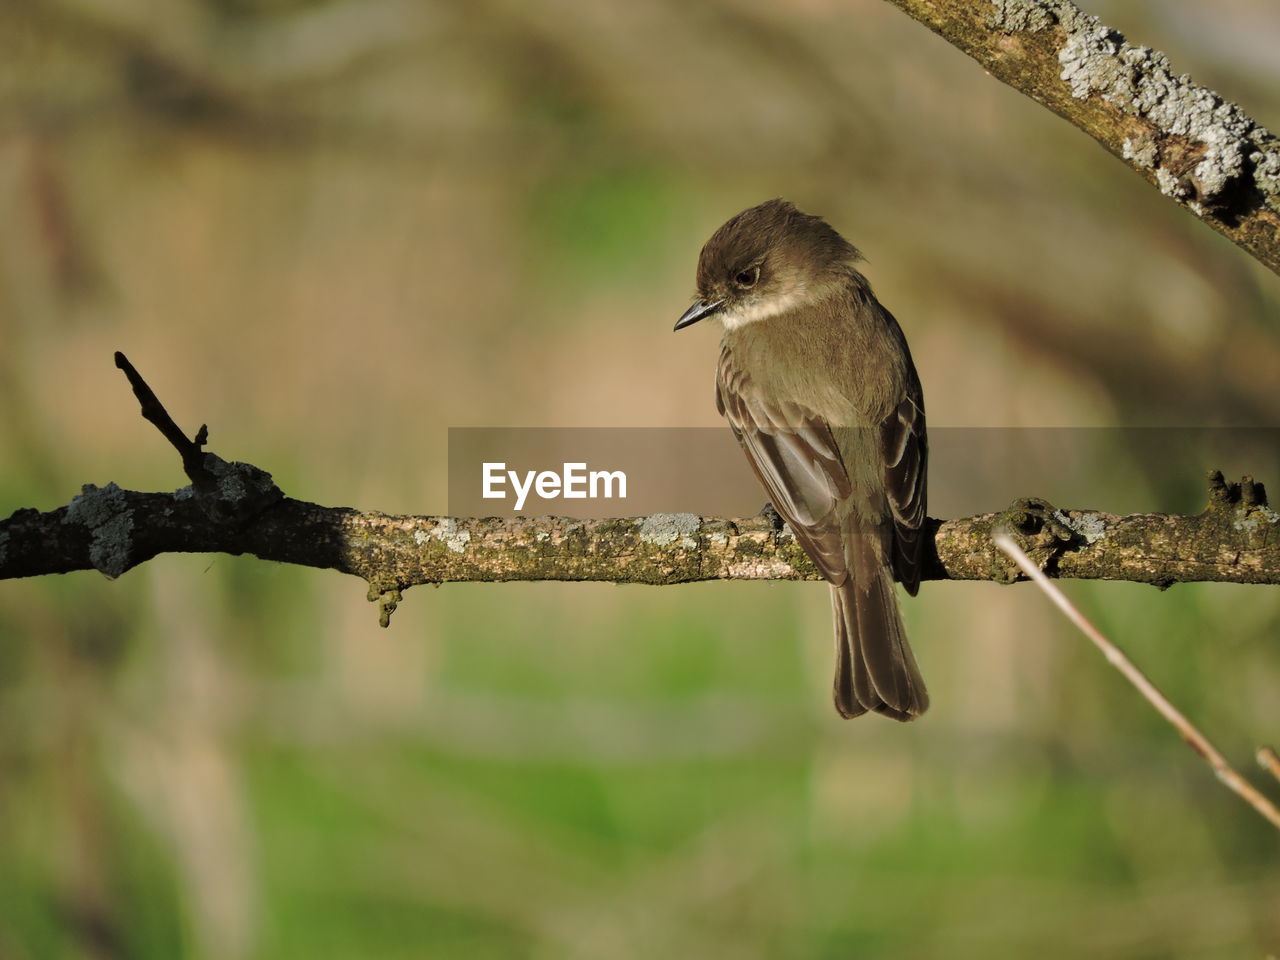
column 839, row 366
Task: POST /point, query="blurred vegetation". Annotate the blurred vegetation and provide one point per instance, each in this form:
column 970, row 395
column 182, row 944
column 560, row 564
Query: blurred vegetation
column 332, row 230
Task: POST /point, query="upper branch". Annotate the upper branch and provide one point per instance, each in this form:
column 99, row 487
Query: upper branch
column 1193, row 146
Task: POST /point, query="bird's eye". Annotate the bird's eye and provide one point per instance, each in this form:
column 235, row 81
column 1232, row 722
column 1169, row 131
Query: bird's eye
column 747, row 278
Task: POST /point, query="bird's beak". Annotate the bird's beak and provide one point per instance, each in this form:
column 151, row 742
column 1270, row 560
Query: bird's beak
column 698, row 311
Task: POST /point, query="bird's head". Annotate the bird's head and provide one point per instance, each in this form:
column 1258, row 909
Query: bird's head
column 766, row 261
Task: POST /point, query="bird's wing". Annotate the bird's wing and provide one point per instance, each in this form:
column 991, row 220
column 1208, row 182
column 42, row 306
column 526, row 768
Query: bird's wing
column 796, row 457
column 904, row 445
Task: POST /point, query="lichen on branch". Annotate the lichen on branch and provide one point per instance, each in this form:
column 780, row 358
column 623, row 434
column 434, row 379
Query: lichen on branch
column 1235, row 539
column 236, row 508
column 1195, row 147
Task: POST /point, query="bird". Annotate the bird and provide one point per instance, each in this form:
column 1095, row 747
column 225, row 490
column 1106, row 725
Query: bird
column 817, row 383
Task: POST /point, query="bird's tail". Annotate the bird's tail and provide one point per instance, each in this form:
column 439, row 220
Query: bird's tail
column 875, row 669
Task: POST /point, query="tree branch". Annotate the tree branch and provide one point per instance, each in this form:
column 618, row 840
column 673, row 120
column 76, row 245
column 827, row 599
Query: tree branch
column 1189, row 143
column 1235, row 540
column 235, row 508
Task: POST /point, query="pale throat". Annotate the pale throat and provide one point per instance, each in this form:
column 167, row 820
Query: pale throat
column 765, row 308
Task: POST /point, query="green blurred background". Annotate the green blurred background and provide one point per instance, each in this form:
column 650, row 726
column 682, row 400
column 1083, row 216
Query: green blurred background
column 332, row 231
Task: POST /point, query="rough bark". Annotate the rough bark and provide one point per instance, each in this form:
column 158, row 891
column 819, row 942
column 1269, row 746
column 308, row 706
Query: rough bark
column 236, row 508
column 1236, row 539
column 1193, row 146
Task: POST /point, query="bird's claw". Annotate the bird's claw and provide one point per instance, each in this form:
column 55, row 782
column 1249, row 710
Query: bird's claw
column 773, row 516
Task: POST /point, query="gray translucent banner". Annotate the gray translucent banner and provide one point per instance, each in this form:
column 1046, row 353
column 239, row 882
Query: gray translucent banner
column 631, row 471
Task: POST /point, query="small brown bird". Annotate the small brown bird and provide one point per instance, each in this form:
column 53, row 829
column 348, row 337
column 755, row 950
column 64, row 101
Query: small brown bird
column 816, row 380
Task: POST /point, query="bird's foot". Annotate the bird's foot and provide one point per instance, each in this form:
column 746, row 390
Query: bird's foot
column 773, row 516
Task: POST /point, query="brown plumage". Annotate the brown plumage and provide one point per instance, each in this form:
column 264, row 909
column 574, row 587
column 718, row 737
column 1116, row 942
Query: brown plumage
column 817, row 383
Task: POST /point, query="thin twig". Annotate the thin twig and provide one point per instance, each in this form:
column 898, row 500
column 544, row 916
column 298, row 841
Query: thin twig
column 1269, row 761
column 154, row 412
column 1194, row 738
